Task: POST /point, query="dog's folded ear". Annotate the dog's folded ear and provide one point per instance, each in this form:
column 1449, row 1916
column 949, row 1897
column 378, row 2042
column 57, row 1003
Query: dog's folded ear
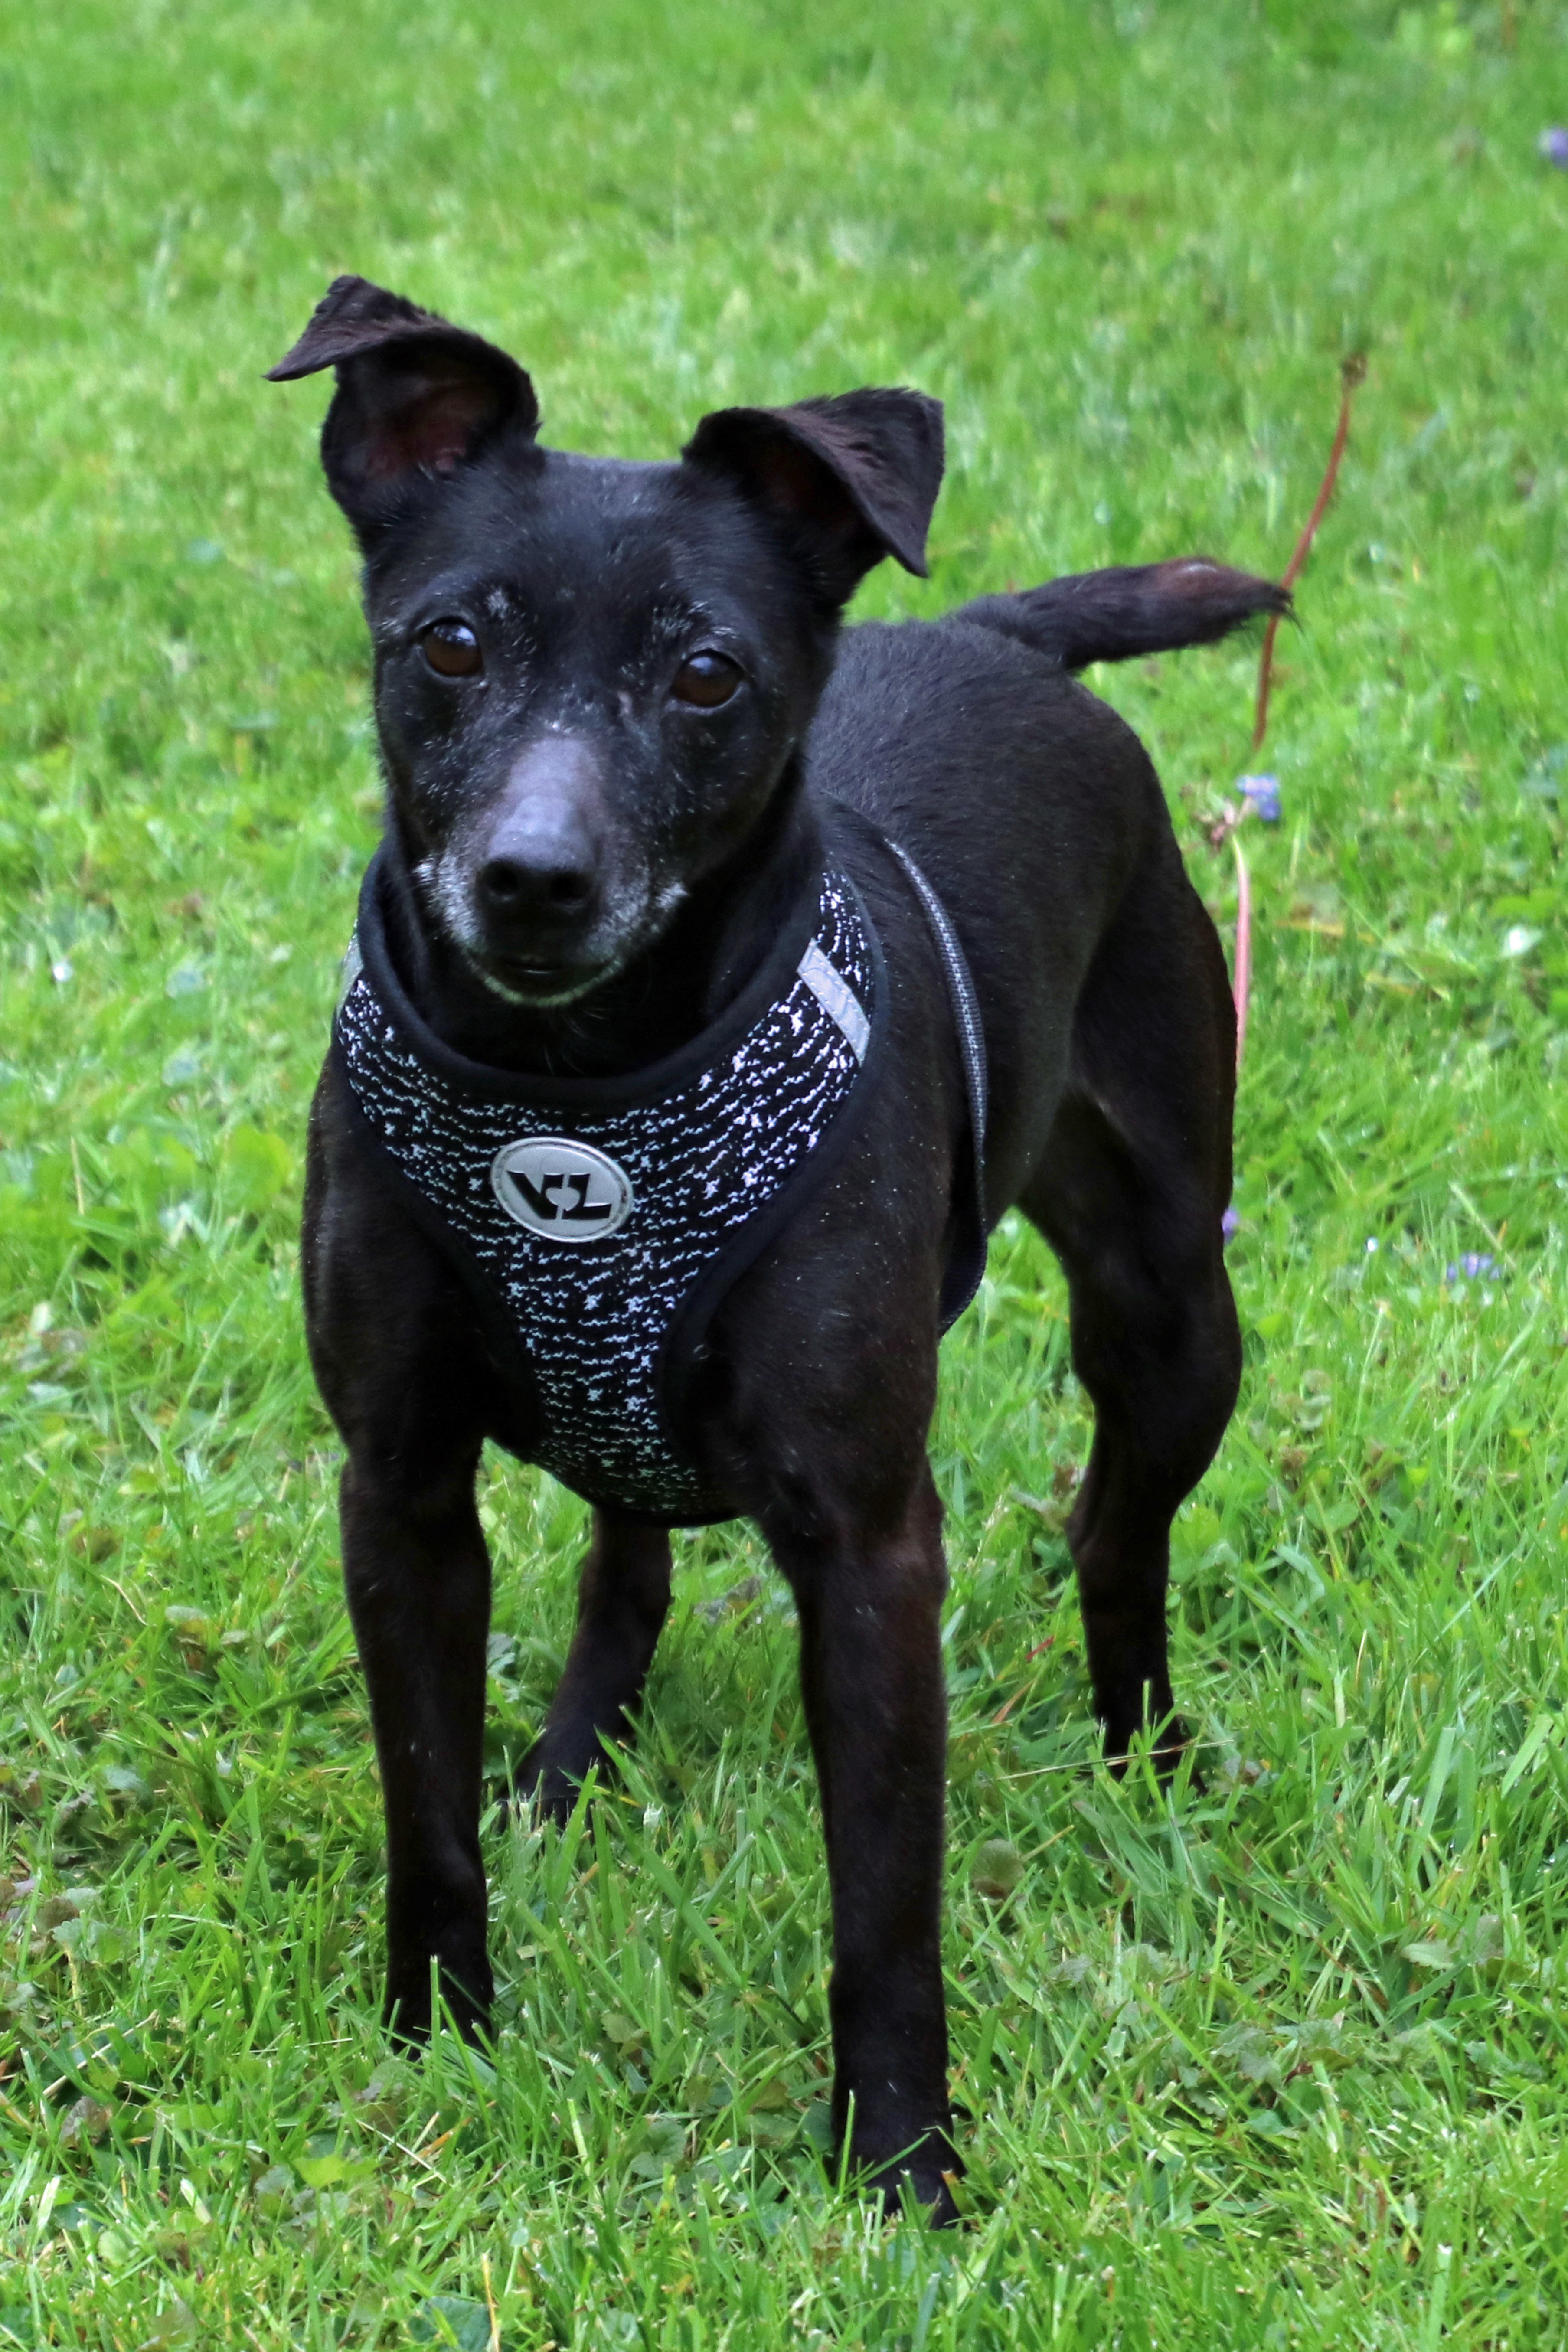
column 416, row 397
column 848, row 480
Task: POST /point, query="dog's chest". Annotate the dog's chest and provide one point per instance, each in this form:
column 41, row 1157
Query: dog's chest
column 597, row 1229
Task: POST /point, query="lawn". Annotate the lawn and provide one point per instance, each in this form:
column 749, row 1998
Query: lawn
column 1282, row 2063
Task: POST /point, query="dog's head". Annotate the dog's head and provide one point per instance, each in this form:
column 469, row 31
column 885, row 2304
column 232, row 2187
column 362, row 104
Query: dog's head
column 591, row 676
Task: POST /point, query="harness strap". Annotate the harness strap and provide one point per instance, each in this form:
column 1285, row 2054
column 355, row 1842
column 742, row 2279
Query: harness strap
column 962, row 1276
column 675, row 1178
column 836, row 998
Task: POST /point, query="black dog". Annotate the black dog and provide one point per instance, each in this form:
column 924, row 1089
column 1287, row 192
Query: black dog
column 623, row 743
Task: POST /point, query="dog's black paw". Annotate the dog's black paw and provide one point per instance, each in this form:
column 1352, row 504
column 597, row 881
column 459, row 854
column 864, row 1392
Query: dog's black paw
column 923, row 2173
column 923, row 2182
column 546, row 1786
column 465, row 1997
column 1170, row 1744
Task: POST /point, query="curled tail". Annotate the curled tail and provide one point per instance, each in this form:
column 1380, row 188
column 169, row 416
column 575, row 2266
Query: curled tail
column 1131, row 608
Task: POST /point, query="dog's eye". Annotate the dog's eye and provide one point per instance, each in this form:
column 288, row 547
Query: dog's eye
column 707, row 680
column 451, row 649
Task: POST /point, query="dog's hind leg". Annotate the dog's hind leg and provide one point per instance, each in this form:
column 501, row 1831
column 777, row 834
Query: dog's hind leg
column 1130, row 1192
column 623, row 1596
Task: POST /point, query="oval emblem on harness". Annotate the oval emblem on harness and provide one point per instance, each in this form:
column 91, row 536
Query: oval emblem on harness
column 562, row 1190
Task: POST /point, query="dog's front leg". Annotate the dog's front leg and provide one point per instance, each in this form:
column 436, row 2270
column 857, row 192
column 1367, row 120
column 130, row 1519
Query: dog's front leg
column 623, row 1597
column 869, row 1600
column 418, row 1579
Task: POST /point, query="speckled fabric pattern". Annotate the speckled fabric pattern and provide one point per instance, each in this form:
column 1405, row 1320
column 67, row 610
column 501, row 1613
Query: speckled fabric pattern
column 672, row 1179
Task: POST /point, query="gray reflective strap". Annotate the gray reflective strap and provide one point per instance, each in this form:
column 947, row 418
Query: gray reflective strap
column 836, row 998
column 352, row 965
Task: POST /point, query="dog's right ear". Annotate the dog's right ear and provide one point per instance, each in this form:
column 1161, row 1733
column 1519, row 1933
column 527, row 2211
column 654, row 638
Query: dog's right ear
column 416, row 397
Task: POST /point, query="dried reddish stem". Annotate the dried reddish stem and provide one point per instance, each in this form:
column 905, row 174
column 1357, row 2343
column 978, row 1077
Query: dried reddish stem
column 1351, row 373
column 1351, row 376
column 1242, row 990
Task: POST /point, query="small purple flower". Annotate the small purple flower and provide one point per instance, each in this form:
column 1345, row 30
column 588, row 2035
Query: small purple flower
column 1474, row 1266
column 1261, row 794
column 1553, row 147
column 1229, row 1225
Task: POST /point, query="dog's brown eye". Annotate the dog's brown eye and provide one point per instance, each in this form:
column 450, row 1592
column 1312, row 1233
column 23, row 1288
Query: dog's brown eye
column 451, row 649
column 706, row 680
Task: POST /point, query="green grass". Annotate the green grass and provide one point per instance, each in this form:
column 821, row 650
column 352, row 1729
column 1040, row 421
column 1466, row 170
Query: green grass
column 1281, row 2065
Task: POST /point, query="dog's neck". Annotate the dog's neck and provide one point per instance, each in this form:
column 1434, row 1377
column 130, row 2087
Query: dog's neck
column 665, row 997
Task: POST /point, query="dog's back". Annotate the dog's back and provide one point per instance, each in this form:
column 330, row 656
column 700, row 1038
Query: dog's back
column 1030, row 803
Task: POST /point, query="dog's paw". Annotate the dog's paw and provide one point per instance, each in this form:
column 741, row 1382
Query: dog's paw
column 546, row 1788
column 923, row 2174
column 465, row 1996
column 1171, row 1742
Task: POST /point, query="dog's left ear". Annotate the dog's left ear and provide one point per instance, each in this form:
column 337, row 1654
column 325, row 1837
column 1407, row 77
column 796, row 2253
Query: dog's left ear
column 848, row 480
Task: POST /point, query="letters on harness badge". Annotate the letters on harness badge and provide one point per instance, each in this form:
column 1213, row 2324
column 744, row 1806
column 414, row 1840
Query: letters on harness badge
column 565, row 1192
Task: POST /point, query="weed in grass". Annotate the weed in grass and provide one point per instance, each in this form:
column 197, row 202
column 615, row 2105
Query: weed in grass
column 1277, row 2062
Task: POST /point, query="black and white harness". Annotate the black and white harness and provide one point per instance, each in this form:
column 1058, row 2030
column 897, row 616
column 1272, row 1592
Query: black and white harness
column 598, row 1223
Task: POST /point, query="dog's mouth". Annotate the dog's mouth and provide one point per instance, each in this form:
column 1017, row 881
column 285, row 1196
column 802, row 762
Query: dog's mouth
column 543, row 973
column 526, row 974
column 537, row 984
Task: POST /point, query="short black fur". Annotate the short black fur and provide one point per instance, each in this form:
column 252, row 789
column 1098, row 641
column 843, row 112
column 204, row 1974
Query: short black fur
column 618, row 721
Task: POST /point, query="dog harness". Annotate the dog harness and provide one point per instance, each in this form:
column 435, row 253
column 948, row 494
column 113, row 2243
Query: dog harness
column 598, row 1223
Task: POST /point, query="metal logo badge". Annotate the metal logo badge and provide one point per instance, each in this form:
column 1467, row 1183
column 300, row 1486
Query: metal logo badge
column 563, row 1191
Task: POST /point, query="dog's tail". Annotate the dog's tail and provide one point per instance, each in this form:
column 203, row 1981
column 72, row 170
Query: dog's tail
column 1132, row 608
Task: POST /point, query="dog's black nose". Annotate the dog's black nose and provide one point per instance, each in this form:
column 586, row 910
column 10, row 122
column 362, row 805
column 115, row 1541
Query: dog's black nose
column 538, row 872
column 531, row 880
